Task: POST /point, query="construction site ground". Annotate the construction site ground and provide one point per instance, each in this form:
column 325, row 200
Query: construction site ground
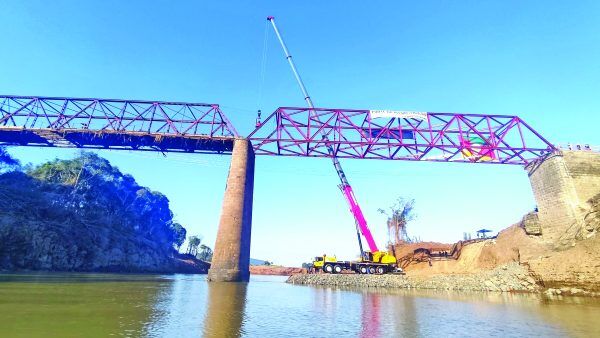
column 553, row 268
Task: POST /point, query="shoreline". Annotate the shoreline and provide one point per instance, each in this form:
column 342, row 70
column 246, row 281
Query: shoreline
column 511, row 278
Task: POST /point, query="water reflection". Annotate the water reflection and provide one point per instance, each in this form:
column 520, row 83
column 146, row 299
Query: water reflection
column 370, row 316
column 384, row 316
column 74, row 305
column 226, row 305
column 179, row 307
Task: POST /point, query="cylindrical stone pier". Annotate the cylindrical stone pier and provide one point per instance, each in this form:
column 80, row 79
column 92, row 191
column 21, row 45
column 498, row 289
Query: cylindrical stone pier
column 231, row 257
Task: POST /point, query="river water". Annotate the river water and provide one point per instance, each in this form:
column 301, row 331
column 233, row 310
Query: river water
column 101, row 305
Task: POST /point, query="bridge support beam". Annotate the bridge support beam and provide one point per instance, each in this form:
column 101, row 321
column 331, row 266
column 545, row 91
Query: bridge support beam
column 231, row 257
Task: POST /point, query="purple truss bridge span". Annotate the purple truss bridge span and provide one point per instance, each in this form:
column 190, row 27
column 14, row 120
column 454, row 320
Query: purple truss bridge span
column 199, row 127
column 399, row 135
column 114, row 124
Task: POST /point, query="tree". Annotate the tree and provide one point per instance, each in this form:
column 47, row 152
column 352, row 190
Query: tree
column 205, row 253
column 179, row 234
column 193, row 243
column 399, row 214
column 7, row 161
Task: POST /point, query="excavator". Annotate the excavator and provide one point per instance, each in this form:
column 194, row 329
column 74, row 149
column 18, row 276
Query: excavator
column 372, row 261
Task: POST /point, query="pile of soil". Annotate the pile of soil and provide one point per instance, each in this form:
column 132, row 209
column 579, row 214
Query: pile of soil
column 405, row 249
column 275, row 270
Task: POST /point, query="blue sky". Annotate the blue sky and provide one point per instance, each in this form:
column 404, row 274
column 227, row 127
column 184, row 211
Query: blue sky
column 535, row 59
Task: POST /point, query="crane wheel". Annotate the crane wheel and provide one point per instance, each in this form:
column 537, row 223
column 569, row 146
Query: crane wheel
column 372, row 270
column 337, row 269
column 363, row 270
column 328, row 268
column 380, row 270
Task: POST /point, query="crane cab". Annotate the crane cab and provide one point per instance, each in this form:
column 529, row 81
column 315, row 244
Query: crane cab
column 320, row 261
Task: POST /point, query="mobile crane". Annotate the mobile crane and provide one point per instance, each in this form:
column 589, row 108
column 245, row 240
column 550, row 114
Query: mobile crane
column 372, row 260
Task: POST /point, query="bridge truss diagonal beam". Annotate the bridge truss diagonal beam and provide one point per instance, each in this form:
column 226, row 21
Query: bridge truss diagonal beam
column 438, row 137
column 114, row 124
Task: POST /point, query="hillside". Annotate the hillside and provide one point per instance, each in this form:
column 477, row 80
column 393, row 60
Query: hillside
column 85, row 215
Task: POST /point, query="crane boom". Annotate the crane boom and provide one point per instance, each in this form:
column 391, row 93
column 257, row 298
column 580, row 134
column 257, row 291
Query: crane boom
column 345, row 187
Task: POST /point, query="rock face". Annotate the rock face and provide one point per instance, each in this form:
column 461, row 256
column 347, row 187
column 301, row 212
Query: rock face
column 531, row 224
column 84, row 214
column 49, row 246
column 509, row 277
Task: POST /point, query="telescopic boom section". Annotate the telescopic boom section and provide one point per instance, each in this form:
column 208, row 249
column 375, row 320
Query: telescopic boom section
column 345, row 186
column 359, row 217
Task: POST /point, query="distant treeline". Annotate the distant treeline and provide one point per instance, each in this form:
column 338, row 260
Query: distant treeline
column 83, row 214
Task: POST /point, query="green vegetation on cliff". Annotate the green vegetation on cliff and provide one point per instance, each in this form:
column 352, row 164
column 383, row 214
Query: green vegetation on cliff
column 84, row 215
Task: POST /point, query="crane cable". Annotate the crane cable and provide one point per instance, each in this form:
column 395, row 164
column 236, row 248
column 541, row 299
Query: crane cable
column 263, row 70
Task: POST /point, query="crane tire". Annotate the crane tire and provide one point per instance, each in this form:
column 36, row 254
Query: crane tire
column 363, row 270
column 380, row 270
column 372, row 270
column 337, row 268
column 328, row 268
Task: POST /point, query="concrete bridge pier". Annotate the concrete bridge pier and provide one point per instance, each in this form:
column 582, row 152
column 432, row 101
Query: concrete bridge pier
column 564, row 184
column 231, row 257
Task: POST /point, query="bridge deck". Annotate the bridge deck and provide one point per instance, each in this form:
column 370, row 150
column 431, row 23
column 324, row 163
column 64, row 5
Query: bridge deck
column 111, row 139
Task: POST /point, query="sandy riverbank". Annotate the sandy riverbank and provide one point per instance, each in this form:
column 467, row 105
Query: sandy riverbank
column 273, row 270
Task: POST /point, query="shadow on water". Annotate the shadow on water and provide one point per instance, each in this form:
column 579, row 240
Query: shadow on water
column 225, row 314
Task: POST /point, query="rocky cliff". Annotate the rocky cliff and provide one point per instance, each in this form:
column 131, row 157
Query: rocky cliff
column 85, row 215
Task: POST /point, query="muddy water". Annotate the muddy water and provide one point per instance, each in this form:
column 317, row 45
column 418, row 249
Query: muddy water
column 100, row 305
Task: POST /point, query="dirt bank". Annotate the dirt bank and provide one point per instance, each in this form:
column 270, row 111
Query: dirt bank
column 577, row 266
column 573, row 262
column 274, row 270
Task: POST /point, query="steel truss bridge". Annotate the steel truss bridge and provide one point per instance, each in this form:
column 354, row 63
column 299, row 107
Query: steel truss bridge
column 114, row 124
column 304, row 132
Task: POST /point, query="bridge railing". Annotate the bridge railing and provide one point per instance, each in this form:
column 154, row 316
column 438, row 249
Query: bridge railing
column 399, row 135
column 578, row 147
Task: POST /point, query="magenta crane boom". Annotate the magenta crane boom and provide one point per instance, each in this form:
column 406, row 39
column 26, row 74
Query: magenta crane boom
column 345, row 187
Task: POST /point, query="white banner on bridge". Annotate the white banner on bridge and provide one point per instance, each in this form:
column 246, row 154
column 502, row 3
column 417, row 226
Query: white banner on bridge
column 398, row 113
